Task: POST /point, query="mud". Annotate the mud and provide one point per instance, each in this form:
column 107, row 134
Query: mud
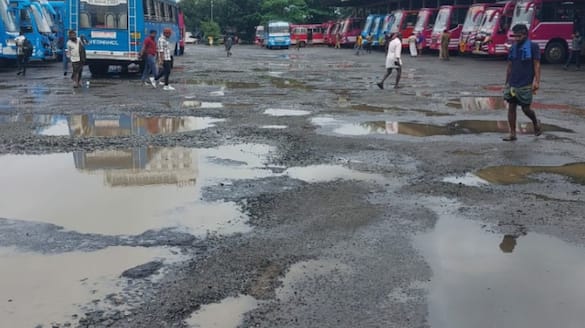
column 286, row 189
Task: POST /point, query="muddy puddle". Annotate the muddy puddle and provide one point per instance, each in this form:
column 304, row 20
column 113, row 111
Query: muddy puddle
column 44, row 289
column 225, row 84
column 90, row 125
column 229, row 313
column 468, row 179
column 427, row 130
column 497, row 103
column 129, row 191
column 380, row 109
column 283, row 83
column 508, row 174
column 484, row 279
column 326, row 173
column 286, row 112
column 275, row 127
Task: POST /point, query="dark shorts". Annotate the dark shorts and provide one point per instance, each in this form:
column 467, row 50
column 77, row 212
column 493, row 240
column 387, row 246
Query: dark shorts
column 518, row 95
column 77, row 68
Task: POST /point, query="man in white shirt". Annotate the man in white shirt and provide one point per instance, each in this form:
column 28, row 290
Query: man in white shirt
column 164, row 58
column 21, row 56
column 74, row 53
column 393, row 60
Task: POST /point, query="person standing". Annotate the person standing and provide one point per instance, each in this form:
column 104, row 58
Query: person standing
column 228, row 45
column 575, row 51
column 522, row 79
column 412, row 45
column 369, row 41
column 164, row 58
column 420, row 42
column 393, row 60
column 337, row 40
column 76, row 54
column 23, row 52
column 444, row 51
column 149, row 56
column 358, row 44
column 310, row 37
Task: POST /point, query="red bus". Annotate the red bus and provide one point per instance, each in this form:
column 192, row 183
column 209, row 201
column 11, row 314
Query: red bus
column 259, row 37
column 492, row 35
column 424, row 23
column 404, row 22
column 332, row 33
column 470, row 27
column 300, row 32
column 550, row 24
column 449, row 18
column 349, row 29
column 327, row 27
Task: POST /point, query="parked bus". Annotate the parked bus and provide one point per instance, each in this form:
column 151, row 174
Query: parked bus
column 492, row 34
column 8, row 31
column 368, row 24
column 300, row 32
column 58, row 16
column 277, row 35
column 349, row 29
column 182, row 34
column 259, row 38
column 449, row 18
column 376, row 30
column 470, row 27
column 550, row 24
column 115, row 29
column 424, row 23
column 404, row 22
column 333, row 33
column 327, row 27
column 32, row 22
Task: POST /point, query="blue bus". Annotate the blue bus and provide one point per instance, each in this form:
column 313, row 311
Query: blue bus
column 32, row 22
column 115, row 29
column 8, row 31
column 58, row 13
column 277, row 35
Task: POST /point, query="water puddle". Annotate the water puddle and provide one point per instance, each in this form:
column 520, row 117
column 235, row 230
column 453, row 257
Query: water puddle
column 286, row 112
column 427, row 130
column 126, row 192
column 92, row 125
column 498, row 103
column 44, row 289
column 226, row 84
column 508, row 174
column 276, row 127
column 485, row 280
column 468, row 179
column 283, row 83
column 302, row 273
column 326, row 173
column 229, row 313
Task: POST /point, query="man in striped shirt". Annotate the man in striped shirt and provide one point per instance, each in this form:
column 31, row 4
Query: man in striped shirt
column 164, row 58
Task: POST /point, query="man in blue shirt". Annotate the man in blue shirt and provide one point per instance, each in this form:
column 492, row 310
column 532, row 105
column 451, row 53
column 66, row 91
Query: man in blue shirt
column 522, row 79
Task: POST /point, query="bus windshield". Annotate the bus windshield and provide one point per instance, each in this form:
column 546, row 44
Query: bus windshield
column 48, row 16
column 523, row 14
column 278, row 28
column 369, row 21
column 376, row 26
column 442, row 20
column 7, row 17
column 42, row 24
column 420, row 21
column 473, row 19
column 489, row 21
column 397, row 19
column 110, row 14
column 388, row 22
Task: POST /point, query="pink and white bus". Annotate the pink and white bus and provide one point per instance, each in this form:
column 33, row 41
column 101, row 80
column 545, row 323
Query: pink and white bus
column 492, row 35
column 424, row 23
column 300, row 33
column 450, row 18
column 470, row 27
column 349, row 29
column 550, row 24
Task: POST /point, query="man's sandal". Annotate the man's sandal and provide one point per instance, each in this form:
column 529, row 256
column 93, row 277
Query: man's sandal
column 510, row 138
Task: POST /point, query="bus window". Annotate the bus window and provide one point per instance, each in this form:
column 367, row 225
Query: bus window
column 150, row 7
column 105, row 15
column 123, row 21
column 84, row 20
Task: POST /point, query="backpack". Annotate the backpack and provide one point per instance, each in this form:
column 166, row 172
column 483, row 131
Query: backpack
column 27, row 48
column 82, row 54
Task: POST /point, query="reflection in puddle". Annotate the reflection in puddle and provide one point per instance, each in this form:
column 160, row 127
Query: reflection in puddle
column 227, row 84
column 426, row 130
column 128, row 191
column 283, row 83
column 40, row 289
column 92, row 125
column 468, row 179
column 521, row 174
column 229, row 313
column 286, row 112
column 277, row 127
column 325, row 173
column 497, row 103
column 485, row 280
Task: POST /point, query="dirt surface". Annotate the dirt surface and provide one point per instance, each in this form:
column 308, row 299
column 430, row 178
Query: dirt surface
column 288, row 176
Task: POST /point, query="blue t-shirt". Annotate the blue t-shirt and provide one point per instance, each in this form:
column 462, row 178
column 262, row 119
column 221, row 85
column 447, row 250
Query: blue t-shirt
column 522, row 73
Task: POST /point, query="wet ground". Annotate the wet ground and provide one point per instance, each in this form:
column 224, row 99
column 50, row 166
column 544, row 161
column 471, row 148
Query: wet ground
column 284, row 189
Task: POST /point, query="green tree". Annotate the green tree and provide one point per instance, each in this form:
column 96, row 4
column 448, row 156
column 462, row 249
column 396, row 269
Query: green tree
column 210, row 29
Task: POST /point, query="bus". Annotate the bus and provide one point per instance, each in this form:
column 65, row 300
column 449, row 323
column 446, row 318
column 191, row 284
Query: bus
column 180, row 50
column 259, row 37
column 404, row 22
column 8, row 31
column 450, row 18
column 550, row 25
column 115, row 29
column 277, row 35
column 59, row 19
column 31, row 21
column 368, row 25
column 299, row 33
column 327, row 27
column 332, row 34
column 387, row 23
column 470, row 26
column 492, row 34
column 424, row 23
column 376, row 30
column 349, row 29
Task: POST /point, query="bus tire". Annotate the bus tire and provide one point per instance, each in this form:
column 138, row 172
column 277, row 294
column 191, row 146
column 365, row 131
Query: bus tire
column 98, row 69
column 555, row 52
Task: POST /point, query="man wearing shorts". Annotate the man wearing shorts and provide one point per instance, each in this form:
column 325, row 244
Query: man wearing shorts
column 522, row 79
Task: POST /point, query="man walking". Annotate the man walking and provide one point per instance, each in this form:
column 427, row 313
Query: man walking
column 164, row 58
column 76, row 54
column 149, row 56
column 393, row 60
column 522, row 79
column 23, row 51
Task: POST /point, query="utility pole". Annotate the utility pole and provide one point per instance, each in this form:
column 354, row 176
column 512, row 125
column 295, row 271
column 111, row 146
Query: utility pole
column 212, row 10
